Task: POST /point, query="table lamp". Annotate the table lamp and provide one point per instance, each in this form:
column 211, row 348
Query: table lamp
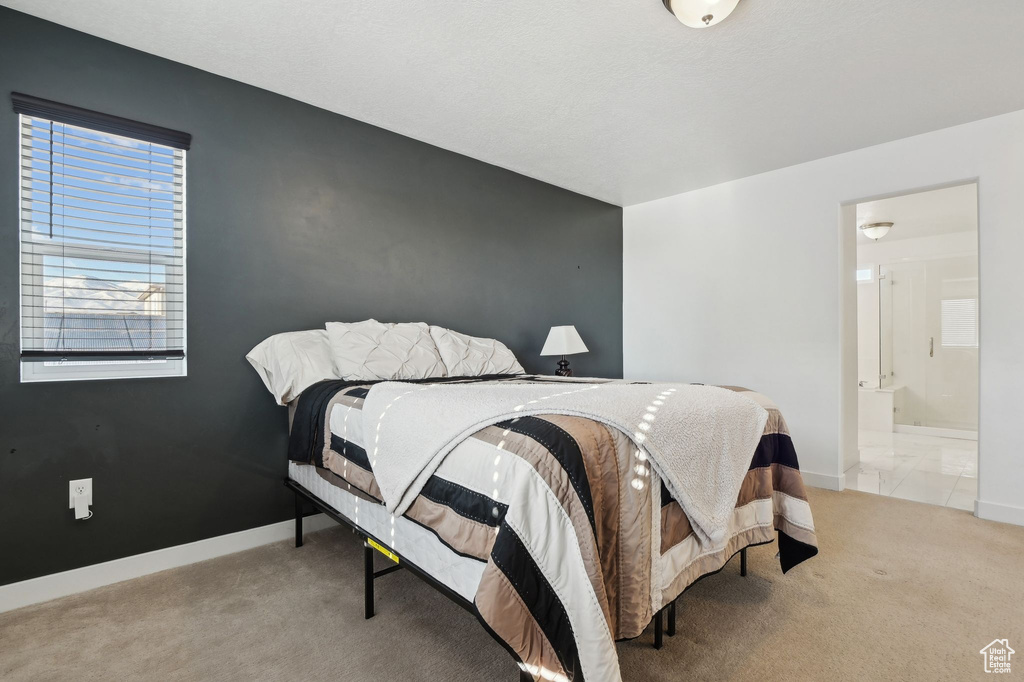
column 564, row 340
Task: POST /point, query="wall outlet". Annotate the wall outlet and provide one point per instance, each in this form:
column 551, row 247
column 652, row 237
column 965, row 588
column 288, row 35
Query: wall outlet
column 82, row 486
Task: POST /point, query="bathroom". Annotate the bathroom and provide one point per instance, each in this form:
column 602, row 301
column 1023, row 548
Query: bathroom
column 918, row 347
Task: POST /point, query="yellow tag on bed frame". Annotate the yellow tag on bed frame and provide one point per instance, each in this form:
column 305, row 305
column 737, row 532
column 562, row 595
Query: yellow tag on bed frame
column 383, row 550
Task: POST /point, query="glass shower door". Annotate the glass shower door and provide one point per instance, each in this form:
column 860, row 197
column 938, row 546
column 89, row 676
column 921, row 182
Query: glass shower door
column 934, row 342
column 951, row 303
column 909, row 341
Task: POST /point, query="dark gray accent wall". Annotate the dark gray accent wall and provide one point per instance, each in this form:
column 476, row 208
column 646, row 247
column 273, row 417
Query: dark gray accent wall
column 295, row 216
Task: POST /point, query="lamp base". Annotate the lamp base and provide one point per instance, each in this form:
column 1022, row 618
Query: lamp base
column 563, row 368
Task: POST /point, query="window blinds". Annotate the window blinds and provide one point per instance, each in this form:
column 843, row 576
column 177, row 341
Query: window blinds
column 960, row 322
column 102, row 235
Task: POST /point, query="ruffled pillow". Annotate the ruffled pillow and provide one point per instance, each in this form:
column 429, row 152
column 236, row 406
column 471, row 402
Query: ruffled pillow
column 472, row 356
column 372, row 350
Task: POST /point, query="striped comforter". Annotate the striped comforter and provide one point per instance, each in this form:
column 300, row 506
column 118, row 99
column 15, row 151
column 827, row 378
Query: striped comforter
column 578, row 549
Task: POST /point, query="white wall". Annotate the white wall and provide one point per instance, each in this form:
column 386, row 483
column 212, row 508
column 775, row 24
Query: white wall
column 922, row 248
column 739, row 283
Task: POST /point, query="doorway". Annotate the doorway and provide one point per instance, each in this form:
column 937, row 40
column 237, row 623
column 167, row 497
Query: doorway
column 918, row 347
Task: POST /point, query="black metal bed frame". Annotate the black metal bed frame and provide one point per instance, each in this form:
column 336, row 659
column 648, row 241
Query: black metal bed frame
column 372, row 544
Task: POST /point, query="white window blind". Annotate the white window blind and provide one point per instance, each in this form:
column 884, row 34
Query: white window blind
column 102, row 245
column 960, row 322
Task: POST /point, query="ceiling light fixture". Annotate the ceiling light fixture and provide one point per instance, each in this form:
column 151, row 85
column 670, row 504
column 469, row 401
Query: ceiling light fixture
column 700, row 13
column 875, row 230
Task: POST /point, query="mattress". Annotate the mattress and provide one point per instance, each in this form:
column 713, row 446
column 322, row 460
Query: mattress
column 410, row 540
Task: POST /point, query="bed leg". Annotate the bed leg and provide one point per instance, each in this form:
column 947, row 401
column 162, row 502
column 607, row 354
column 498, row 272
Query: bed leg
column 743, row 561
column 658, row 626
column 298, row 520
column 367, row 580
column 525, row 676
column 671, row 629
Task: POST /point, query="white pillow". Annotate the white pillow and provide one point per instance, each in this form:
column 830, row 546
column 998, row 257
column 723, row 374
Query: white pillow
column 377, row 350
column 471, row 356
column 291, row 362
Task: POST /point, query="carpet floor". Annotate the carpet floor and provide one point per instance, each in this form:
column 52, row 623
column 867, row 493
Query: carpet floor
column 900, row 590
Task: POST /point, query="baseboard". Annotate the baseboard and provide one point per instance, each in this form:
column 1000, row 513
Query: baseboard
column 1003, row 513
column 826, row 481
column 49, row 587
column 935, row 431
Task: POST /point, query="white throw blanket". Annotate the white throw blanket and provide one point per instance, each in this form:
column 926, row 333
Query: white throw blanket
column 700, row 439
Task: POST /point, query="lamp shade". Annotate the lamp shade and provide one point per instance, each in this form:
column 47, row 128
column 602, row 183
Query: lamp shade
column 563, row 340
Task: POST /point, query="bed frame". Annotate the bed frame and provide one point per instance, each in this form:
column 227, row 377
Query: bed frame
column 372, row 545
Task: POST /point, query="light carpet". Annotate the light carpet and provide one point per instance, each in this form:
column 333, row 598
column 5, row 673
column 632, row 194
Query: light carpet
column 900, row 590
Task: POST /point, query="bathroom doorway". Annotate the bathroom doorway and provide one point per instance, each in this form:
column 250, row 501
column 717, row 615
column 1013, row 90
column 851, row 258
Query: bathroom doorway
column 918, row 347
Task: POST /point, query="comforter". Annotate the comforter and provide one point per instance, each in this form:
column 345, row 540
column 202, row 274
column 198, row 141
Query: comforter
column 582, row 543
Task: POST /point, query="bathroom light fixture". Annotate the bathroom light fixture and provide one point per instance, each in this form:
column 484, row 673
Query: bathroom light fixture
column 875, row 230
column 700, row 13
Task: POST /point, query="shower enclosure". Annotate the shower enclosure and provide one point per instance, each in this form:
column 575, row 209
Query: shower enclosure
column 927, row 341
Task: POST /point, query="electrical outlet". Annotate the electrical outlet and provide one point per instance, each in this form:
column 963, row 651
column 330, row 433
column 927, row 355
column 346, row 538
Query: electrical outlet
column 82, row 486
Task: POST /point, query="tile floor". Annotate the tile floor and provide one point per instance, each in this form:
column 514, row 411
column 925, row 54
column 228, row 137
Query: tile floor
column 930, row 469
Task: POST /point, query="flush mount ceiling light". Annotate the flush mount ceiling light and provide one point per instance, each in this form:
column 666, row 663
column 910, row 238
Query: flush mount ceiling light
column 875, row 230
column 700, row 13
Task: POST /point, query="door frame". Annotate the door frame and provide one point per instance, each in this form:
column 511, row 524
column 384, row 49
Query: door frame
column 848, row 448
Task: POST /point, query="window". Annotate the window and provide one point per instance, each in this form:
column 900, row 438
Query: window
column 960, row 323
column 102, row 245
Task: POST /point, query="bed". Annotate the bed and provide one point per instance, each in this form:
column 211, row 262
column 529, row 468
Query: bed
column 556, row 530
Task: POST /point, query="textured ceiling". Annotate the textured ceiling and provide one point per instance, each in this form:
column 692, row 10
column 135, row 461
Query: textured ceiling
column 923, row 214
column 614, row 99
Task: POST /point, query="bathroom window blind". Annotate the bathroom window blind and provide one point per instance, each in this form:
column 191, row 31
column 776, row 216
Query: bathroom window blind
column 102, row 239
column 960, row 322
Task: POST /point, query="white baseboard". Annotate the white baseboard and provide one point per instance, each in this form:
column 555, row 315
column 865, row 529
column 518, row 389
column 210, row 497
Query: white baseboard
column 826, row 481
column 49, row 587
column 1003, row 513
column 935, row 431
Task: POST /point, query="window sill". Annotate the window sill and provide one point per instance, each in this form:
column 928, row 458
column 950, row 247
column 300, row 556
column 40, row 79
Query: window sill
column 35, row 371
